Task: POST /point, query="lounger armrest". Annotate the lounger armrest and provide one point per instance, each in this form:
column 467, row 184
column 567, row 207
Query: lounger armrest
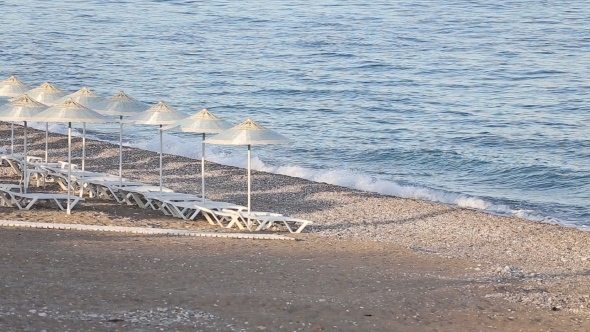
column 11, row 187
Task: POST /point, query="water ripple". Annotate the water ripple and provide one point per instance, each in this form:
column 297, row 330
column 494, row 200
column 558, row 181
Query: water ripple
column 479, row 98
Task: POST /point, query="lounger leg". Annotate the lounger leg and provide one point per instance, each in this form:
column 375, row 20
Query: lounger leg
column 137, row 198
column 290, row 228
column 31, row 203
column 172, row 210
column 157, row 205
column 208, row 217
column 128, row 200
column 180, row 212
column 263, row 223
column 303, row 225
column 59, row 204
column 5, row 200
column 17, row 203
column 185, row 212
column 115, row 196
column 74, row 201
column 62, row 184
column 193, row 215
column 235, row 220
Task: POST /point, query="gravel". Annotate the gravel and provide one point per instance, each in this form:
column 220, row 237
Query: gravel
column 551, row 262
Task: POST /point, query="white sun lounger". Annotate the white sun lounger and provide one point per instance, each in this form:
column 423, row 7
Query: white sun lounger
column 60, row 165
column 13, row 160
column 264, row 220
column 242, row 219
column 5, row 199
column 41, row 169
column 103, row 188
column 133, row 195
column 60, row 176
column 189, row 210
column 89, row 185
column 16, row 162
column 10, row 186
column 156, row 199
column 26, row 201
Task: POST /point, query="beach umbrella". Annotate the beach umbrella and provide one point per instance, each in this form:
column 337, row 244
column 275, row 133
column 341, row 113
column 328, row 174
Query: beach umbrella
column 22, row 109
column 248, row 133
column 203, row 122
column 70, row 111
column 90, row 100
column 86, row 98
column 12, row 87
column 16, row 109
column 47, row 94
column 122, row 105
column 159, row 114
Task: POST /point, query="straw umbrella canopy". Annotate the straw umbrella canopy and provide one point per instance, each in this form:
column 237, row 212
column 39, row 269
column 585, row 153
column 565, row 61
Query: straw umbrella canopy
column 248, row 133
column 86, row 98
column 70, row 111
column 47, row 94
column 90, row 100
column 22, row 109
column 159, row 114
column 203, row 122
column 12, row 87
column 122, row 105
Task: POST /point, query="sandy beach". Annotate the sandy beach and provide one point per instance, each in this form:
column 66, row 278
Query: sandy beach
column 370, row 262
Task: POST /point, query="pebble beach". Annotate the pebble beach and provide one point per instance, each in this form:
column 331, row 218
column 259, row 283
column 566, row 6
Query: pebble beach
column 537, row 269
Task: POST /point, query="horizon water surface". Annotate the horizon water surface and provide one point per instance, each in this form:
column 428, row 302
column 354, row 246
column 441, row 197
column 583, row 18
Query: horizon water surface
column 478, row 104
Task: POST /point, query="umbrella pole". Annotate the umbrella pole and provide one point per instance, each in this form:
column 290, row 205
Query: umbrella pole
column 12, row 138
column 249, row 186
column 83, row 157
column 160, row 159
column 120, row 150
column 83, row 147
column 46, row 139
column 25, row 178
column 69, row 210
column 203, row 168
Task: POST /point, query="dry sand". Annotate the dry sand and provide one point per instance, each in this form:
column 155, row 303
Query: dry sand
column 370, row 262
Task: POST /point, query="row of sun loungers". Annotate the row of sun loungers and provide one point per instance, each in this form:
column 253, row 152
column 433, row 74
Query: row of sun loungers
column 26, row 201
column 110, row 187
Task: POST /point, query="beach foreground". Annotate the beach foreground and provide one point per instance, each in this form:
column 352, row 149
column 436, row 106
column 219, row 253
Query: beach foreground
column 370, row 262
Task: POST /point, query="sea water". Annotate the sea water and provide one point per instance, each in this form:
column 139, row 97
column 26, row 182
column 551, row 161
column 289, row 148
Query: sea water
column 481, row 104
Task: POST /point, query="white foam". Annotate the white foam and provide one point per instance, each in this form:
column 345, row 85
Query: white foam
column 176, row 145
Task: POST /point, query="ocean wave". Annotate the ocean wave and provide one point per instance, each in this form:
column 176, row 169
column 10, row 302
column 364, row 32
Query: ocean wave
column 344, row 178
column 190, row 147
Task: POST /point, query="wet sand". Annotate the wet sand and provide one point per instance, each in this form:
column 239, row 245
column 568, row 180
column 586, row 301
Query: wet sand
column 369, row 263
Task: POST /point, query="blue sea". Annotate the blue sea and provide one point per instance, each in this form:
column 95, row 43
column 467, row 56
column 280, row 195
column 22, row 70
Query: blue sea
column 480, row 104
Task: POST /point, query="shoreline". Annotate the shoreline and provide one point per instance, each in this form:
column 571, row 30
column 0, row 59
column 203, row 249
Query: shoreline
column 547, row 265
column 458, row 200
column 270, row 192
